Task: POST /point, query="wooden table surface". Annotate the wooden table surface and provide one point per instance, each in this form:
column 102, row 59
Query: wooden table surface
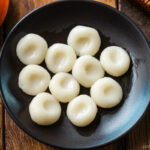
column 13, row 138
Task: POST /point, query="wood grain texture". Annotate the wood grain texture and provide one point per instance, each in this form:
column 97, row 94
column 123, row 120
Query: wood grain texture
column 137, row 15
column 109, row 2
column 139, row 137
column 145, row 4
column 1, row 125
column 19, row 8
column 15, row 138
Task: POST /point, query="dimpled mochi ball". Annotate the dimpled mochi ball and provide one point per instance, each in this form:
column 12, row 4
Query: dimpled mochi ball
column 115, row 60
column 64, row 87
column 31, row 49
column 60, row 58
column 84, row 40
column 33, row 79
column 87, row 70
column 106, row 92
column 82, row 110
column 44, row 109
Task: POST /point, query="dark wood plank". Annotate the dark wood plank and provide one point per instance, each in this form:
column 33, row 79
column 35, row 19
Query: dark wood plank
column 145, row 4
column 19, row 8
column 109, row 2
column 137, row 15
column 16, row 139
column 139, row 137
column 1, row 106
column 1, row 125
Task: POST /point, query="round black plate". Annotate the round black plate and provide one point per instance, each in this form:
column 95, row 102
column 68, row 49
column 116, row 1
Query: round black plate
column 53, row 22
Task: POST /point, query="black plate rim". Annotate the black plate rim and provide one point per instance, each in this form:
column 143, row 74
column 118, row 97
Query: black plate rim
column 20, row 125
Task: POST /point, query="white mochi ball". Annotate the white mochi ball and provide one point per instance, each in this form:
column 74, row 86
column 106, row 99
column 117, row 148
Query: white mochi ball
column 84, row 40
column 64, row 87
column 106, row 92
column 31, row 49
column 44, row 109
column 82, row 110
column 33, row 79
column 60, row 58
column 87, row 70
column 115, row 60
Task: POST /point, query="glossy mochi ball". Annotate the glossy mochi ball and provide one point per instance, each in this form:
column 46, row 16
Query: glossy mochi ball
column 81, row 111
column 31, row 49
column 84, row 40
column 44, row 109
column 33, row 79
column 60, row 58
column 87, row 70
column 115, row 60
column 64, row 87
column 106, row 92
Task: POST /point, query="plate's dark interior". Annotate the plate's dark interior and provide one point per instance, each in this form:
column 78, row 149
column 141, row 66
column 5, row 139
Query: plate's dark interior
column 54, row 22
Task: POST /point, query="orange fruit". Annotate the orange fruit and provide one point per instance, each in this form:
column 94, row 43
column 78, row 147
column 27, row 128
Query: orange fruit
column 3, row 10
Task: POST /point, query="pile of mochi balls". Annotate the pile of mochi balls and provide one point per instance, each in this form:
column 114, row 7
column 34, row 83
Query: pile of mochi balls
column 87, row 71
